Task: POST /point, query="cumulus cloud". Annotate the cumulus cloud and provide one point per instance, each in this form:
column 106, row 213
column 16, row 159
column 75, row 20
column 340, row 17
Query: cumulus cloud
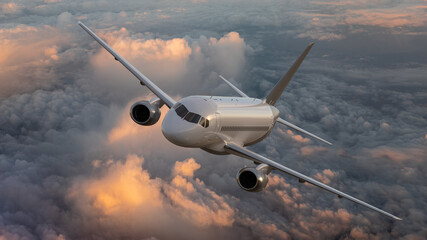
column 174, row 64
column 123, row 194
column 27, row 57
column 326, row 176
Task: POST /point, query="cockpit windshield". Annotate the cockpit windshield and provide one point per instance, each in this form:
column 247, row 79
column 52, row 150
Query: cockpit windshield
column 183, row 112
column 192, row 117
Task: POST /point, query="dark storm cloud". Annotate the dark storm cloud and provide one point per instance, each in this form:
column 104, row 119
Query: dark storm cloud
column 70, row 157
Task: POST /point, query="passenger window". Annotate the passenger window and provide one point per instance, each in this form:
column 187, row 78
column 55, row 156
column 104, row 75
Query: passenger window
column 181, row 111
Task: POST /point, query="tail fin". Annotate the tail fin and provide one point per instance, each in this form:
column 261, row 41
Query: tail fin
column 281, row 85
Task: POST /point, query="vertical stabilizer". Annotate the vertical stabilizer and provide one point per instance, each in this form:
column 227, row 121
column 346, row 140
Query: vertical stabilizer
column 281, row 85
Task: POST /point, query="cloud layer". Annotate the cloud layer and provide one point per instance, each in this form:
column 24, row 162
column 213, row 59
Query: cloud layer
column 74, row 166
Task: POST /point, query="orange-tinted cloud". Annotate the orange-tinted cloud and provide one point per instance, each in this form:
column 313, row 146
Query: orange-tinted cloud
column 10, row 7
column 121, row 189
column 27, row 57
column 358, row 233
column 390, row 18
column 297, row 138
column 342, row 215
column 326, row 23
column 267, row 229
column 310, row 150
column 293, row 136
column 326, row 176
column 160, row 59
column 398, row 155
column 173, row 64
column 186, row 168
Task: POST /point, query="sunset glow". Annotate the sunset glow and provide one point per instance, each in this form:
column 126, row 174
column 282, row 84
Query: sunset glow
column 74, row 165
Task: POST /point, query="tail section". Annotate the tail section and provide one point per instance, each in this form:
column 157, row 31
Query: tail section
column 281, row 85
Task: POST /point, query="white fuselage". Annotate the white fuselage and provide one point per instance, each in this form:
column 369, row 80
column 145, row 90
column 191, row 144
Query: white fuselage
column 239, row 120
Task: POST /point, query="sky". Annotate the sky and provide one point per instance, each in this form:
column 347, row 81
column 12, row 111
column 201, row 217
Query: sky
column 73, row 165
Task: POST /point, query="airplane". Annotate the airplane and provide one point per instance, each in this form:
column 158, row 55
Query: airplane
column 224, row 125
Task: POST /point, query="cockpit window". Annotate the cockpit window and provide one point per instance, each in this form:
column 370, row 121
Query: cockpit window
column 204, row 122
column 177, row 106
column 183, row 112
column 192, row 117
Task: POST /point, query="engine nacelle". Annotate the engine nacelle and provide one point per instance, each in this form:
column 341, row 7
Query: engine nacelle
column 252, row 180
column 145, row 113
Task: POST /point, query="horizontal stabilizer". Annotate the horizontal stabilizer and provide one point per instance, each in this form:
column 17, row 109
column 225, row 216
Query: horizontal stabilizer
column 282, row 121
column 234, row 87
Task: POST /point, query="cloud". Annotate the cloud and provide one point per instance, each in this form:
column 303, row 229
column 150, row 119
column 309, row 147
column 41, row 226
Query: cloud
column 321, row 35
column 397, row 155
column 297, row 138
column 124, row 192
column 337, row 20
column 10, row 8
column 174, row 64
column 389, row 18
column 186, row 168
column 325, row 176
column 126, row 129
column 74, row 165
column 28, row 54
column 39, row 56
column 308, row 151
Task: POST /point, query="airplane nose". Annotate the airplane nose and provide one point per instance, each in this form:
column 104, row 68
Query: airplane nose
column 172, row 129
column 168, row 130
column 181, row 132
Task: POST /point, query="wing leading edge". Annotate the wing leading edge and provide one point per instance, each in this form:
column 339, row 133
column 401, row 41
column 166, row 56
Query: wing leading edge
column 243, row 152
column 142, row 78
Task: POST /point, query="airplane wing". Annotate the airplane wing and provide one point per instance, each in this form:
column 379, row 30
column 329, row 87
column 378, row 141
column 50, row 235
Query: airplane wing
column 234, row 87
column 243, row 152
column 282, row 121
column 142, row 78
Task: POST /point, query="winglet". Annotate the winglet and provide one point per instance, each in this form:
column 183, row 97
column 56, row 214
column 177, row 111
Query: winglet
column 281, row 85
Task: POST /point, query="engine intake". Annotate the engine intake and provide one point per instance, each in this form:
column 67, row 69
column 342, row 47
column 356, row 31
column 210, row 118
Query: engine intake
column 252, row 180
column 145, row 113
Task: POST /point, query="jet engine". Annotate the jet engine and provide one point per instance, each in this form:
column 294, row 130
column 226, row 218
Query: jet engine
column 251, row 179
column 146, row 112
